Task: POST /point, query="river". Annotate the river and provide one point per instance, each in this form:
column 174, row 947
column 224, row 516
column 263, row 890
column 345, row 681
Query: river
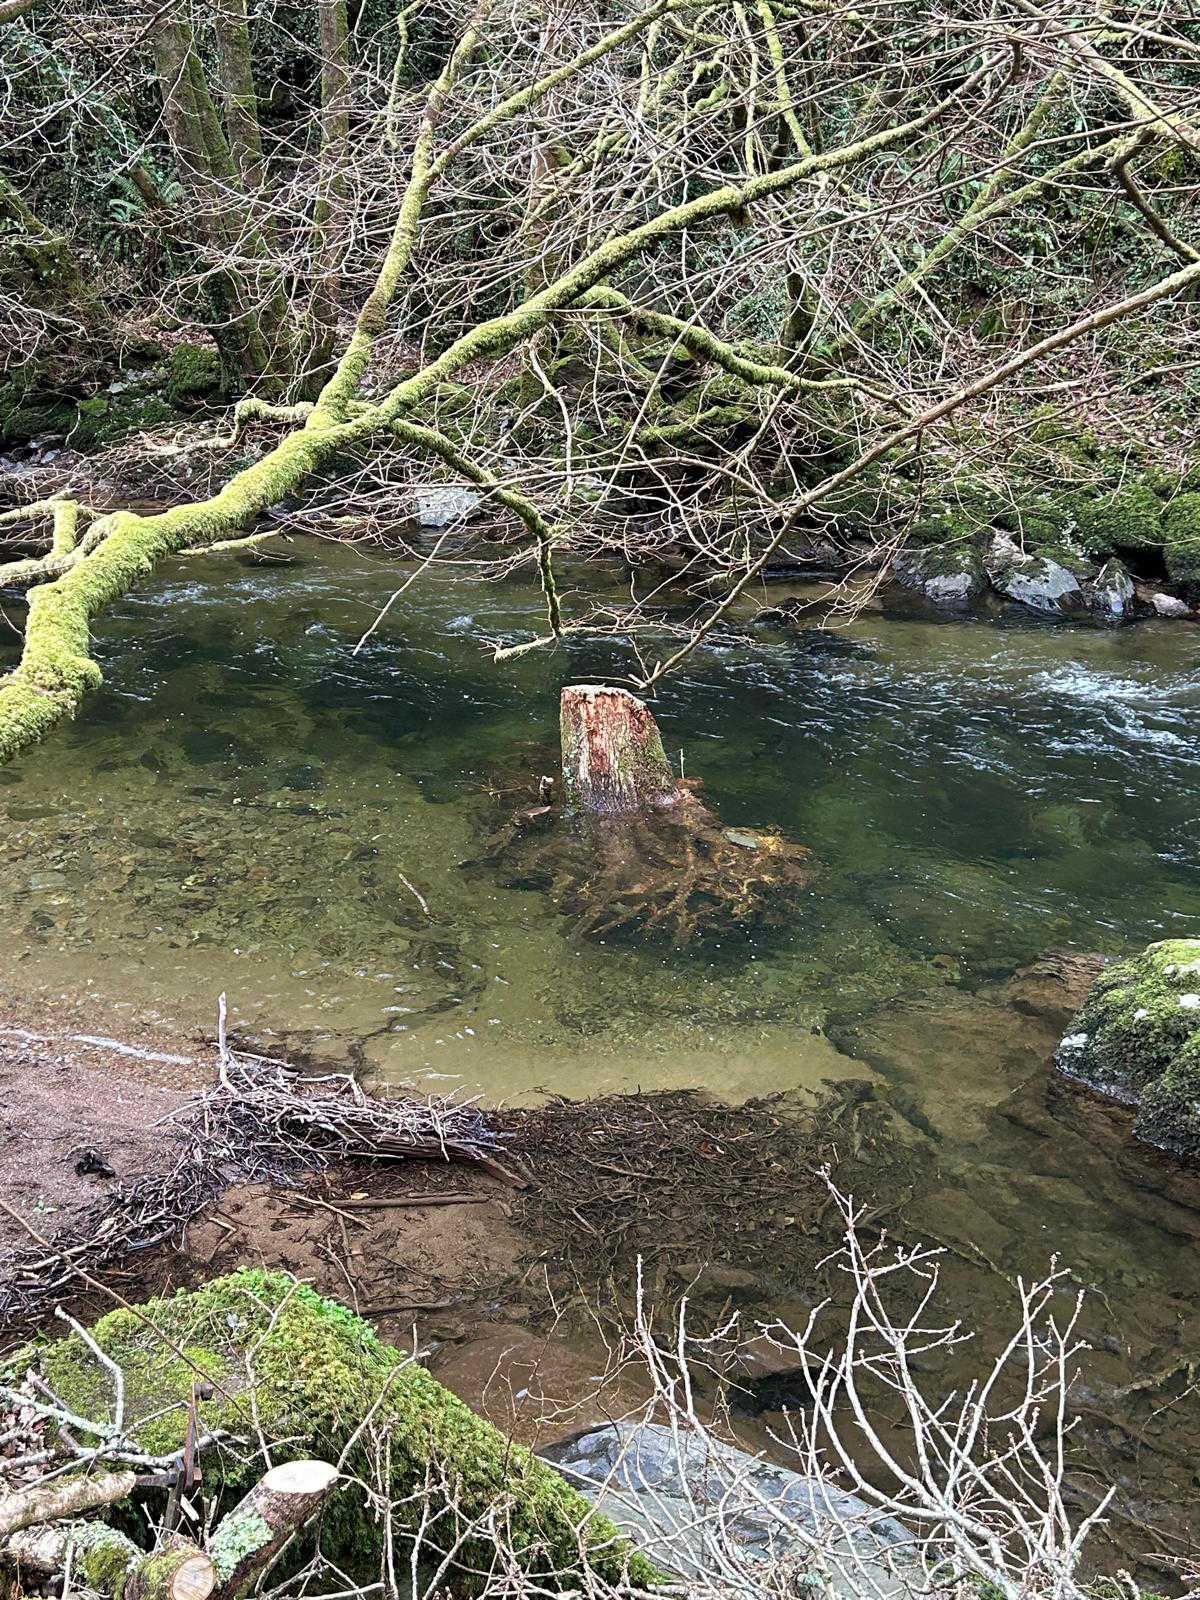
column 250, row 806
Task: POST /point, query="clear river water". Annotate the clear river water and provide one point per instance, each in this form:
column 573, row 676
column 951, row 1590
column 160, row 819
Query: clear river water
column 249, row 806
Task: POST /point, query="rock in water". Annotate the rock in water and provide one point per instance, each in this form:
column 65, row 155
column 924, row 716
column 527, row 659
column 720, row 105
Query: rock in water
column 946, row 574
column 1169, row 605
column 1113, row 596
column 437, row 505
column 1037, row 582
column 1137, row 1039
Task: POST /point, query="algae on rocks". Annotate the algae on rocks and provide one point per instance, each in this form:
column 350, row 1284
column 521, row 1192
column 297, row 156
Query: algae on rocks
column 317, row 1380
column 1137, row 1039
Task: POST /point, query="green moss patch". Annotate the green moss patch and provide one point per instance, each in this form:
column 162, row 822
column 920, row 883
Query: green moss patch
column 1137, row 1038
column 1129, row 518
column 1182, row 544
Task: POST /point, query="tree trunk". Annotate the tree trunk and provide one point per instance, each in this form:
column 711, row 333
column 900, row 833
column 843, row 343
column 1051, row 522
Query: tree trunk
column 613, row 760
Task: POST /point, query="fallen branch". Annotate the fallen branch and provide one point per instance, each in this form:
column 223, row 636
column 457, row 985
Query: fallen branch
column 248, row 1540
column 48, row 1502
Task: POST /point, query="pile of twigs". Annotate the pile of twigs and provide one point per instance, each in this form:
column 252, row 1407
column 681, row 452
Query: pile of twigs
column 263, row 1121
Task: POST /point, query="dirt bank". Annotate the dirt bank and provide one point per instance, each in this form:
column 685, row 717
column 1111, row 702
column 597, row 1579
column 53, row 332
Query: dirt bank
column 514, row 1290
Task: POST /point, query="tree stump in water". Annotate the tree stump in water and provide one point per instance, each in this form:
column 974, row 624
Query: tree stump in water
column 613, row 761
column 633, row 850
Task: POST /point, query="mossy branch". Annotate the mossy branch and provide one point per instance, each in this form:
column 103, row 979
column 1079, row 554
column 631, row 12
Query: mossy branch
column 701, row 342
column 498, row 335
column 56, row 670
column 316, row 1374
column 64, row 542
column 503, row 494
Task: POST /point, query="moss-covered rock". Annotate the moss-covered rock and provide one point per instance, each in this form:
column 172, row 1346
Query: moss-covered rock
column 1039, row 582
column 946, row 574
column 1137, row 1039
column 318, row 1372
column 114, row 415
column 193, row 373
column 1130, row 518
column 1181, row 546
column 1113, row 595
column 87, row 424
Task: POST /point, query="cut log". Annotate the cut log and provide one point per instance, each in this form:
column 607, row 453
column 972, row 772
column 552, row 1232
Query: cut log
column 180, row 1572
column 613, row 760
column 113, row 1565
column 278, row 1506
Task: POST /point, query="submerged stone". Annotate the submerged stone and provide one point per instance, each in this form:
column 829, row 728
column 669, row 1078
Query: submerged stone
column 1137, row 1039
column 670, row 1489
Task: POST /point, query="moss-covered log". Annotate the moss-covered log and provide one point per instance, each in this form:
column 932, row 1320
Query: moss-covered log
column 309, row 1373
column 111, row 1565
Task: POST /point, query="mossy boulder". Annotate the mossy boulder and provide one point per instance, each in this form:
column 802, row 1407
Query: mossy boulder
column 193, row 374
column 1181, row 546
column 114, row 415
column 1130, row 518
column 1137, row 1039
column 318, row 1373
column 946, row 574
column 102, row 419
column 1039, row 582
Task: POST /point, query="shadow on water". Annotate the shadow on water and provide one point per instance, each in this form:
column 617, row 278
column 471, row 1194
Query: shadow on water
column 250, row 806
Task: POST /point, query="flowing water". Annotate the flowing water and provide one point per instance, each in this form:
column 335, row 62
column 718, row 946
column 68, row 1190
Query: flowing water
column 251, row 806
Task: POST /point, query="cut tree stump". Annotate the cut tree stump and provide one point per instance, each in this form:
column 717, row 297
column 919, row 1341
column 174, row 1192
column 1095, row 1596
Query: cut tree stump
column 632, row 850
column 613, row 760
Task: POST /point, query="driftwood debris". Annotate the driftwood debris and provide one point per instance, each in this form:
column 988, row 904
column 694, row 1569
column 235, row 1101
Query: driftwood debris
column 261, row 1122
column 631, row 848
column 244, row 1543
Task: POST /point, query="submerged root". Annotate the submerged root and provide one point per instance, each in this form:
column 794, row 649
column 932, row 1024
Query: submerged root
column 675, row 876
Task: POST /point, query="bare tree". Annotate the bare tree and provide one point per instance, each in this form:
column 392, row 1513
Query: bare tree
column 691, row 281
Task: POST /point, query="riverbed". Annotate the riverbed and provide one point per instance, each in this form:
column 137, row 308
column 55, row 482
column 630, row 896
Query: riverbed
column 250, row 805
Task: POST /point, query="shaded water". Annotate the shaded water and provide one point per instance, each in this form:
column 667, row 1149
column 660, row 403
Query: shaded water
column 249, row 806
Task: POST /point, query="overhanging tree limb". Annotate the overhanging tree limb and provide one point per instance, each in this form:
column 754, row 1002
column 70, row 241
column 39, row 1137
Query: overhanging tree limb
column 1092, row 323
column 56, row 670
